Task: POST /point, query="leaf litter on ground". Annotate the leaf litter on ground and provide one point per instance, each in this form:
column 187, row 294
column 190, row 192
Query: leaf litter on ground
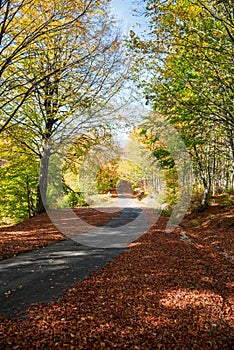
column 163, row 293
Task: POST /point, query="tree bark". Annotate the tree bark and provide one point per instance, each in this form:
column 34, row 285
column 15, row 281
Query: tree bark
column 206, row 183
column 231, row 143
column 42, row 183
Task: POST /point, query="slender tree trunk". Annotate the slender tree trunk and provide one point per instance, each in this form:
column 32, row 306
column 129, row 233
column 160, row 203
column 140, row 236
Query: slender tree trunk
column 42, row 183
column 206, row 193
column 28, row 196
column 206, row 184
column 231, row 143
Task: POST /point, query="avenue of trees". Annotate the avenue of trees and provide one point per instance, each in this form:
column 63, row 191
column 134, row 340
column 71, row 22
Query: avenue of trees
column 62, row 64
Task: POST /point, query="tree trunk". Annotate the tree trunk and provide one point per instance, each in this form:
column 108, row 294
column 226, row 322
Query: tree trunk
column 29, row 198
column 206, row 183
column 232, row 160
column 206, row 193
column 42, row 183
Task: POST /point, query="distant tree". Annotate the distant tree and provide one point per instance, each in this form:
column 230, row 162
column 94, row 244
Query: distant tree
column 108, row 177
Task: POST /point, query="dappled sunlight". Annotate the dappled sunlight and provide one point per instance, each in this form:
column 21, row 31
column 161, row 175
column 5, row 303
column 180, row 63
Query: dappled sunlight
column 134, row 244
column 160, row 293
column 111, row 133
column 39, row 231
column 181, row 299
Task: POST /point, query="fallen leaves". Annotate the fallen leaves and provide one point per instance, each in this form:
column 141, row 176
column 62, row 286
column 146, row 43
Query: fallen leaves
column 39, row 232
column 163, row 293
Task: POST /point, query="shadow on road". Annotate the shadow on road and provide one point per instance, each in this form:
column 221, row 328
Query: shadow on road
column 43, row 275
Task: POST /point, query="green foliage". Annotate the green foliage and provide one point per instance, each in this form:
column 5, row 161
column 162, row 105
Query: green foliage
column 107, row 177
column 147, row 135
column 164, row 157
column 185, row 68
column 76, row 199
column 167, row 211
column 18, row 178
column 66, row 65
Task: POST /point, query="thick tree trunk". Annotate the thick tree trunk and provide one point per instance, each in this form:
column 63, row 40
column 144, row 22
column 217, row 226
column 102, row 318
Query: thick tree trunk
column 42, row 183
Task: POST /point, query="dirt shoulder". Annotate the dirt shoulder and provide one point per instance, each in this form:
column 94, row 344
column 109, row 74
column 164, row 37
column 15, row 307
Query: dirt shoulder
column 167, row 291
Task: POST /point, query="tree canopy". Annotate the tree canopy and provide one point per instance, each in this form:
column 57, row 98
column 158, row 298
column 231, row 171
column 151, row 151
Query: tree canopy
column 184, row 66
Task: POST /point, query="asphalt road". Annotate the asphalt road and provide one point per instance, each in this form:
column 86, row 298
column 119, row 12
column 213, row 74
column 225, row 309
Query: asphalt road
column 44, row 274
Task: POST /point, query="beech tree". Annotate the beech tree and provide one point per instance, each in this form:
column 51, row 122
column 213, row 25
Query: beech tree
column 185, row 67
column 22, row 24
column 87, row 69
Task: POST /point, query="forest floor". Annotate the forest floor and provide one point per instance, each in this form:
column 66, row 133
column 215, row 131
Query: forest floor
column 168, row 291
column 39, row 232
